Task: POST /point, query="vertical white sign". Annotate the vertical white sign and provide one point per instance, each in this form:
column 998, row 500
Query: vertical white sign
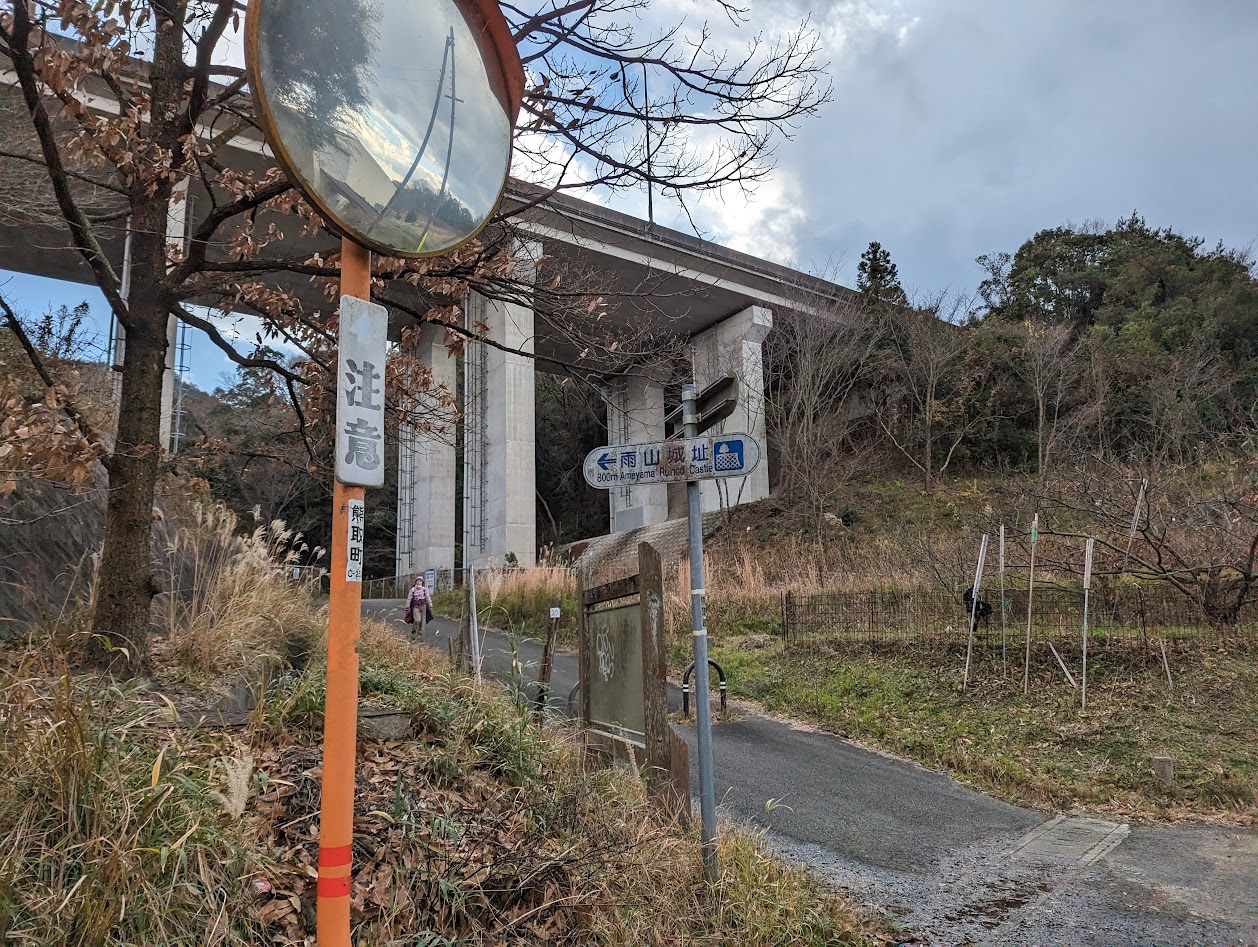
column 354, row 541
column 1087, row 563
column 360, row 393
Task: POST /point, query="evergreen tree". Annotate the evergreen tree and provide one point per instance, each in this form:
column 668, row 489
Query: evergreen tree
column 876, row 277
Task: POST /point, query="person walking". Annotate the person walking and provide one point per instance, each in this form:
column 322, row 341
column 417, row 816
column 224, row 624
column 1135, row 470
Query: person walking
column 418, row 608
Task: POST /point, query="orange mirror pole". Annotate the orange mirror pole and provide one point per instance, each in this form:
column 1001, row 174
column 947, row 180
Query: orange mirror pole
column 340, row 711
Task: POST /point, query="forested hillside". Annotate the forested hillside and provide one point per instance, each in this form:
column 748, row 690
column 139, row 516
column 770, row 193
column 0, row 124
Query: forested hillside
column 1091, row 348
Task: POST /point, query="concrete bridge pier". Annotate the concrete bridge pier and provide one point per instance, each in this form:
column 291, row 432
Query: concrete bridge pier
column 177, row 245
column 426, row 469
column 500, row 431
column 635, row 415
column 736, row 345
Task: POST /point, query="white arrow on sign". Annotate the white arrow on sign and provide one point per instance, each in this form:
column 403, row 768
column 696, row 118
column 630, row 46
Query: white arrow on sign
column 677, row 461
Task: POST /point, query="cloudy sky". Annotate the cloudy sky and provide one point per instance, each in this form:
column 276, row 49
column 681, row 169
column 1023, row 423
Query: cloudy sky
column 960, row 127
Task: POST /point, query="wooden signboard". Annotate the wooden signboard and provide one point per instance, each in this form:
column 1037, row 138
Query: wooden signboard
column 624, row 678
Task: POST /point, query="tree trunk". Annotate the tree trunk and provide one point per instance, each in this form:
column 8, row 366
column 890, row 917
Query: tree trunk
column 929, row 453
column 125, row 586
column 1039, row 438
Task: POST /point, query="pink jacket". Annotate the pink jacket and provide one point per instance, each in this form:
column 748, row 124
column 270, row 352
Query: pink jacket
column 418, row 598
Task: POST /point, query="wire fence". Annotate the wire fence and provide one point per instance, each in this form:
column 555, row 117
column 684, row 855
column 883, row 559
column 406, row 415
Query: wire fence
column 398, row 586
column 898, row 619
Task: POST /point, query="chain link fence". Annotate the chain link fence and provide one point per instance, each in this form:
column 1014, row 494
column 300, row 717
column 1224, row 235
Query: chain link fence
column 899, row 619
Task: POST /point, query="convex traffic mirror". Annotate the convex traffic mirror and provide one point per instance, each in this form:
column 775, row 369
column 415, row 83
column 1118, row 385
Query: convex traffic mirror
column 394, row 116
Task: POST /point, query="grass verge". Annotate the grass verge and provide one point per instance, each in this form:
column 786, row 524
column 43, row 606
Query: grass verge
column 1041, row 749
column 116, row 828
column 120, row 825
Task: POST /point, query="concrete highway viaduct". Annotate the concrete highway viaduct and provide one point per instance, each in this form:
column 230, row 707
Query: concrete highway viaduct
column 715, row 303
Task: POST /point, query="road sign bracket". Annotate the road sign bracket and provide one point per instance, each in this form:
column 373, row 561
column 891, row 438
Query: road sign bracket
column 713, row 405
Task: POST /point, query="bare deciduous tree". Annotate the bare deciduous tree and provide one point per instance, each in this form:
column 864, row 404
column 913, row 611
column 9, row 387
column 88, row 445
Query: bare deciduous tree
column 115, row 135
column 1051, row 366
column 818, row 401
column 1185, row 394
column 1196, row 532
column 921, row 405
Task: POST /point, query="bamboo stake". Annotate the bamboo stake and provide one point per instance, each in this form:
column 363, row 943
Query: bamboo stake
column 978, row 581
column 1030, row 590
column 1087, row 588
column 1165, row 663
column 1135, row 521
column 1064, row 670
column 1004, row 656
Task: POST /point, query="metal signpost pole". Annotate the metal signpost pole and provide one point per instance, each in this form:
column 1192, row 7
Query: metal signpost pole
column 340, row 715
column 692, row 459
column 707, row 787
column 473, row 624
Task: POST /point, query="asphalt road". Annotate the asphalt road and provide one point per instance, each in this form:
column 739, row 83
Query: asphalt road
column 936, row 855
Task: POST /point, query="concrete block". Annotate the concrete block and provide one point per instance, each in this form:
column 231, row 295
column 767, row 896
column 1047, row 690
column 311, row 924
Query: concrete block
column 1164, row 769
column 383, row 724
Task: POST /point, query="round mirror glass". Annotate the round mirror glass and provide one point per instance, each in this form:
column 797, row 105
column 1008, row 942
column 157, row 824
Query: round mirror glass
column 392, row 115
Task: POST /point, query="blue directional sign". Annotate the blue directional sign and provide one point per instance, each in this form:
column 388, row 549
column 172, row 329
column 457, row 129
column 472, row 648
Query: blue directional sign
column 676, row 461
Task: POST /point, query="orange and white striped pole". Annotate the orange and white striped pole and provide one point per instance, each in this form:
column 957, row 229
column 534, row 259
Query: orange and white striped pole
column 340, row 712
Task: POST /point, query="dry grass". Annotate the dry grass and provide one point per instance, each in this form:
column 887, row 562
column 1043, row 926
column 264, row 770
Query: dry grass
column 116, row 828
column 107, row 836
column 520, row 599
column 228, row 600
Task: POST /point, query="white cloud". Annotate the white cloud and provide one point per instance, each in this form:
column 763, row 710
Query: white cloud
column 965, row 127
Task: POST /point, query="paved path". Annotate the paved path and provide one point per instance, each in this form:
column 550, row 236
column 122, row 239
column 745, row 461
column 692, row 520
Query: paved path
column 953, row 865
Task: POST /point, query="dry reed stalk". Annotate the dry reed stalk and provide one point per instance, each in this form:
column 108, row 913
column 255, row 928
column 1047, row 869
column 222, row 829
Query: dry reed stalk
column 228, row 599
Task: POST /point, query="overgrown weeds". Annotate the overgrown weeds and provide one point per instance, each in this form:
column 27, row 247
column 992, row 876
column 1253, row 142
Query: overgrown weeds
column 108, row 836
column 120, row 826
